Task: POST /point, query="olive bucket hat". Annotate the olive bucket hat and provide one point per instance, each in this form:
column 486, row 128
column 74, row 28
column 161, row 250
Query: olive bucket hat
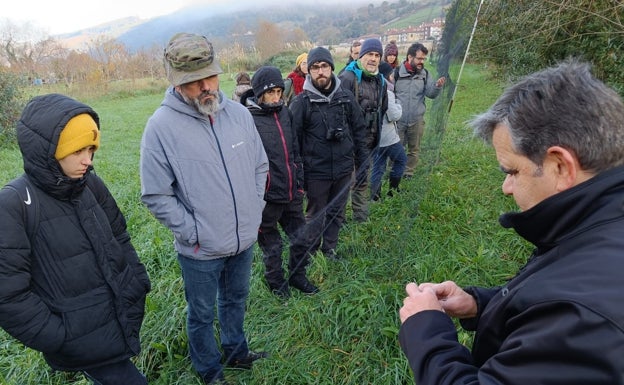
column 189, row 57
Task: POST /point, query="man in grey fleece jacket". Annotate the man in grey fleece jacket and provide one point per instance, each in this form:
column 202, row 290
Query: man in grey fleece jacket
column 203, row 175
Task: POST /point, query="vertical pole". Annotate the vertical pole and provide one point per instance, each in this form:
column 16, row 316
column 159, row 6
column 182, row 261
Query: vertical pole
column 461, row 69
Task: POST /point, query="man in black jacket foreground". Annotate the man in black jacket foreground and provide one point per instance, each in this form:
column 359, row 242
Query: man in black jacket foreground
column 71, row 283
column 559, row 138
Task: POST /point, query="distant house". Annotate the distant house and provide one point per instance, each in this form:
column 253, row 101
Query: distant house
column 425, row 31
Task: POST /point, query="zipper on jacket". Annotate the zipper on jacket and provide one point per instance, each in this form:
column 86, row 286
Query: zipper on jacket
column 286, row 157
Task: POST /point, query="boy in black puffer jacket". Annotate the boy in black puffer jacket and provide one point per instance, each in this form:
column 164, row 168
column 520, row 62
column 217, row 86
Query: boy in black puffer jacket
column 71, row 283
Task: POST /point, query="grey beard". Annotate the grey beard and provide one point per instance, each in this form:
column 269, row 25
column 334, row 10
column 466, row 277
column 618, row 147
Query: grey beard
column 209, row 109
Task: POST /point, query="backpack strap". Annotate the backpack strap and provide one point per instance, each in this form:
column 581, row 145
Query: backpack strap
column 30, row 207
column 308, row 106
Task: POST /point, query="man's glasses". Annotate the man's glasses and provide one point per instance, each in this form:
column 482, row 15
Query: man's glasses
column 420, row 58
column 318, row 67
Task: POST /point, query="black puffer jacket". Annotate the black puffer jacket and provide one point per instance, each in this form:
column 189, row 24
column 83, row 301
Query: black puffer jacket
column 315, row 116
column 77, row 292
column 560, row 321
column 285, row 177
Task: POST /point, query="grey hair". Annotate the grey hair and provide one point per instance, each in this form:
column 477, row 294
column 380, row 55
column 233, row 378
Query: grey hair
column 562, row 106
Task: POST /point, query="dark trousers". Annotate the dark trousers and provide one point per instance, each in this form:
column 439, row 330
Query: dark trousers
column 290, row 217
column 325, row 213
column 119, row 373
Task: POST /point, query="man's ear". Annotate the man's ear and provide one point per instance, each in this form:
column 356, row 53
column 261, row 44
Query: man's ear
column 567, row 169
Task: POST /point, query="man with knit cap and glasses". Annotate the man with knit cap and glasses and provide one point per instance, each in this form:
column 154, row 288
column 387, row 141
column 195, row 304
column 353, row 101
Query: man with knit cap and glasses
column 362, row 77
column 284, row 191
column 203, row 175
column 332, row 136
column 71, row 283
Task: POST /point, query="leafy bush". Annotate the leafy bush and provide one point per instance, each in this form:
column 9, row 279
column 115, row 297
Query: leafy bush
column 285, row 61
column 11, row 105
column 522, row 36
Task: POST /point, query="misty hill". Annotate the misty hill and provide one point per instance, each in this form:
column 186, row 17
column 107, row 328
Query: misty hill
column 235, row 22
column 226, row 24
column 219, row 24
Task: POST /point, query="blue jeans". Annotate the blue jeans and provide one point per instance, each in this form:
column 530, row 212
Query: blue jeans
column 396, row 153
column 224, row 282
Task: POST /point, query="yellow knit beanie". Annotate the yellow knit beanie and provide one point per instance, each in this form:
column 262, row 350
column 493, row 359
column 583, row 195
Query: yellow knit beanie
column 81, row 131
column 301, row 58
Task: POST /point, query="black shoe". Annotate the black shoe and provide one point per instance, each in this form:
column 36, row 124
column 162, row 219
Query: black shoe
column 214, row 380
column 282, row 291
column 246, row 362
column 331, row 254
column 303, row 285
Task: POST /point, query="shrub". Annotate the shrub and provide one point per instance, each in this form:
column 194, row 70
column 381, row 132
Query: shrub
column 11, row 105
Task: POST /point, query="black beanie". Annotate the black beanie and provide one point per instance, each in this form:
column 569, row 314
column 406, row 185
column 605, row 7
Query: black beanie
column 265, row 78
column 320, row 54
column 385, row 69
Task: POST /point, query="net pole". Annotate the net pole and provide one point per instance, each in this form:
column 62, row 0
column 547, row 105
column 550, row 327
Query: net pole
column 461, row 69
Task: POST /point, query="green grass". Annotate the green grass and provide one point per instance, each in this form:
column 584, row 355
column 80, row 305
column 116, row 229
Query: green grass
column 418, row 18
column 442, row 226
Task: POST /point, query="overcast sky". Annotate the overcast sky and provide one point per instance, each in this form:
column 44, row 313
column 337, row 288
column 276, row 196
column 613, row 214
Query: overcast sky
column 63, row 16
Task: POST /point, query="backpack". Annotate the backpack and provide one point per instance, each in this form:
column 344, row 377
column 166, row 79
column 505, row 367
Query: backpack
column 30, row 209
column 289, row 90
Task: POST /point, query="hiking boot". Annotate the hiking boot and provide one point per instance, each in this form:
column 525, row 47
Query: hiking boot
column 246, row 363
column 214, row 380
column 331, row 254
column 302, row 284
column 394, row 186
column 282, row 291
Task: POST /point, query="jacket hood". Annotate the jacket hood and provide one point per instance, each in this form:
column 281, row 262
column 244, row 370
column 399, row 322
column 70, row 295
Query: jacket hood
column 308, row 86
column 38, row 132
column 249, row 100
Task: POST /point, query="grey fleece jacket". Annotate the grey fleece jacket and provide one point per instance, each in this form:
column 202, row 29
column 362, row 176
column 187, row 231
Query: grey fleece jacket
column 410, row 90
column 204, row 179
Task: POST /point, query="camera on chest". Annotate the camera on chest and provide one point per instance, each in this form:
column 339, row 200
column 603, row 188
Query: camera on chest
column 336, row 134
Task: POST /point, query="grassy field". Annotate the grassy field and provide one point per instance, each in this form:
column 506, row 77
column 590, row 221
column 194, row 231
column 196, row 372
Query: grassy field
column 442, row 226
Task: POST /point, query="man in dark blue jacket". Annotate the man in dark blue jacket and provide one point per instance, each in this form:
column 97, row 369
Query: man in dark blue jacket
column 332, row 136
column 559, row 138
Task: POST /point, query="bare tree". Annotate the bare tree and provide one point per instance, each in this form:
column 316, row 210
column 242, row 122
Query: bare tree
column 269, row 39
column 18, row 46
column 111, row 54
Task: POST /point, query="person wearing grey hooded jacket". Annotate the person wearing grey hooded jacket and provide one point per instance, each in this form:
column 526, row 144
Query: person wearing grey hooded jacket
column 412, row 83
column 203, row 175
